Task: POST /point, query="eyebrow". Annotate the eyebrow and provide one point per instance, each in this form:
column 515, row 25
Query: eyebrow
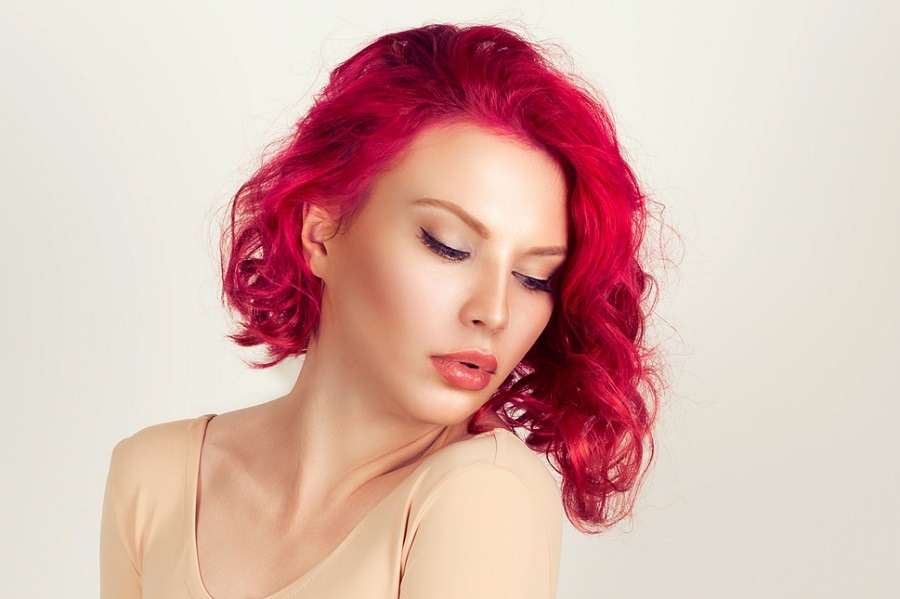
column 478, row 226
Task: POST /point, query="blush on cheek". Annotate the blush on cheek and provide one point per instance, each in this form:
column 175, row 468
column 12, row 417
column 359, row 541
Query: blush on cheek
column 529, row 319
column 418, row 291
column 395, row 293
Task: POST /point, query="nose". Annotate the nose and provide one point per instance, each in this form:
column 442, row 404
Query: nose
column 488, row 304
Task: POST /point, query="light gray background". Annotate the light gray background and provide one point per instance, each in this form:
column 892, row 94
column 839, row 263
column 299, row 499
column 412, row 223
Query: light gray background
column 768, row 129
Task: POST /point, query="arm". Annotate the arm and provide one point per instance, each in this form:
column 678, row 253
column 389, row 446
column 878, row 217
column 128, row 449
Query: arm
column 484, row 534
column 119, row 576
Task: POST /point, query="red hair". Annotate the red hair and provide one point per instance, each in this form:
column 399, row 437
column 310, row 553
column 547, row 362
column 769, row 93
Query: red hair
column 584, row 392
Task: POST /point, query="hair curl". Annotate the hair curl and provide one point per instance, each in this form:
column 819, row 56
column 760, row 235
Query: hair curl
column 584, row 393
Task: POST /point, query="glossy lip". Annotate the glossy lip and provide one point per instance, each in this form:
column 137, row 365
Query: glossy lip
column 470, row 370
column 484, row 361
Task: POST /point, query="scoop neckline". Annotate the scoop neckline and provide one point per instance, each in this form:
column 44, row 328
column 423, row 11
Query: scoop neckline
column 192, row 474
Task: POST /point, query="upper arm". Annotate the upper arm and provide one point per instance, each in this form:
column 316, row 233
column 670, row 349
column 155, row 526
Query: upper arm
column 119, row 576
column 483, row 533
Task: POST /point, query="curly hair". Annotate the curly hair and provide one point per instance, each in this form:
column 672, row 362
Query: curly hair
column 584, row 395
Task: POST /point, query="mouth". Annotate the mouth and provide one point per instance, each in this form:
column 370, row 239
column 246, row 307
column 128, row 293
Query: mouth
column 471, row 370
column 472, row 359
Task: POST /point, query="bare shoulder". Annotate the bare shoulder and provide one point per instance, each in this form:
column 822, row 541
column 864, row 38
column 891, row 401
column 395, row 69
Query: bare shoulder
column 225, row 432
column 236, row 443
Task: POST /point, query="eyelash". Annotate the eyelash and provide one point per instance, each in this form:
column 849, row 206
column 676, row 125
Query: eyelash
column 440, row 249
column 536, row 284
column 454, row 255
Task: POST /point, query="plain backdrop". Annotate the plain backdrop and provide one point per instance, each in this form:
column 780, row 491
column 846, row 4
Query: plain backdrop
column 769, row 131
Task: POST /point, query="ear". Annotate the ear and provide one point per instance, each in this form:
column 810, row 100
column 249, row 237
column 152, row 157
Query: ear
column 318, row 228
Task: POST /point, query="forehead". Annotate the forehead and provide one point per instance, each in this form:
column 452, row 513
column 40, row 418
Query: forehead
column 508, row 184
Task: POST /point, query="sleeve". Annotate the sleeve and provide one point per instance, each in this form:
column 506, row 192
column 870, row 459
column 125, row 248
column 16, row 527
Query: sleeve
column 483, row 533
column 119, row 574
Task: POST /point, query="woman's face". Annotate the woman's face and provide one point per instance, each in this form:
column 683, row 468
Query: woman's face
column 438, row 287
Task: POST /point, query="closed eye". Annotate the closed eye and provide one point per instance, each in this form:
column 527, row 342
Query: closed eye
column 535, row 284
column 445, row 251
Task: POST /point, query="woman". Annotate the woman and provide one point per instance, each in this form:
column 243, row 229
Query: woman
column 450, row 238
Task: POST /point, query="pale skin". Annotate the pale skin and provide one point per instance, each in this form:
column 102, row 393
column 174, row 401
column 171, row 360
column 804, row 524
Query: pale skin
column 284, row 482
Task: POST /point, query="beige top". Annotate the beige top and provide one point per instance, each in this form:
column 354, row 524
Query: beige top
column 479, row 518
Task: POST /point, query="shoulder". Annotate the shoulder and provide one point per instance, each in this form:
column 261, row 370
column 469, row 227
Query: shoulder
column 490, row 508
column 161, row 436
column 497, row 459
column 159, row 445
column 154, row 458
column 145, row 498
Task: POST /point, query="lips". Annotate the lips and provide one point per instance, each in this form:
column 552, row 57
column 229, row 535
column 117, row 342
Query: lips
column 470, row 370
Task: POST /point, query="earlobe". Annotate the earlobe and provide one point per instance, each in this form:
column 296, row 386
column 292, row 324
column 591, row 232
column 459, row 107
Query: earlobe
column 318, row 227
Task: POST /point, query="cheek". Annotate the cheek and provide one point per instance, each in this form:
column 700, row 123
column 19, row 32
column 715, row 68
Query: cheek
column 531, row 314
column 399, row 288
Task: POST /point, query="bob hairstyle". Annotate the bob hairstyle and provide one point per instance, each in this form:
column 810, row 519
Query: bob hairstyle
column 584, row 393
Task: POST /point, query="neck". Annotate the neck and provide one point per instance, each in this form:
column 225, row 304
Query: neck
column 342, row 437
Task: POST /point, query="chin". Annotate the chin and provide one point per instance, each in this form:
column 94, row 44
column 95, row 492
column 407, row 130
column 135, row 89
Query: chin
column 449, row 408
